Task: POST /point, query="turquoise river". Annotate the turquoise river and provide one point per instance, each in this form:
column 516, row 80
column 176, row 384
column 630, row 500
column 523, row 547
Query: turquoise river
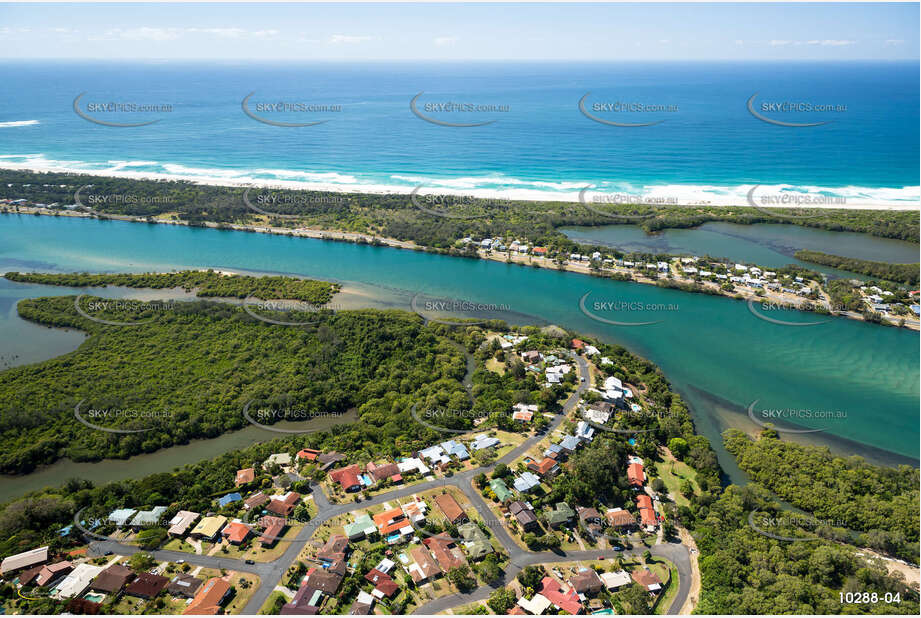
column 862, row 378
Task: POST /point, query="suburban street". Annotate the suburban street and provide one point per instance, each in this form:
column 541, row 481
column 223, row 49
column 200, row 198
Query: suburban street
column 271, row 573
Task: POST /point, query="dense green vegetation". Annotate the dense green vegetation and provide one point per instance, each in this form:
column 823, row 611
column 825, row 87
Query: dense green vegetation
column 206, row 284
column 900, row 273
column 881, row 502
column 396, row 216
column 745, row 572
column 189, row 371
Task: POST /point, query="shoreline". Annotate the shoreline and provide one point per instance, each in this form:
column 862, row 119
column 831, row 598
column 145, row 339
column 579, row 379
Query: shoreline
column 527, row 260
column 729, row 195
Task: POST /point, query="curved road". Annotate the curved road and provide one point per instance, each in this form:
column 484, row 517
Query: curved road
column 271, row 573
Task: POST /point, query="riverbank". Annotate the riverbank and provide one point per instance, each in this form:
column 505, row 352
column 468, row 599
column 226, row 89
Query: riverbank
column 675, row 278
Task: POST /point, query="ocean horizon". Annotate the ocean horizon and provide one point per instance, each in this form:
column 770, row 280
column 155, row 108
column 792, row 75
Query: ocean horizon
column 699, row 138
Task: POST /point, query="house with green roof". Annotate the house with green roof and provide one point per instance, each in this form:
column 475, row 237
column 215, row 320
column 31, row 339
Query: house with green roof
column 503, row 493
column 560, row 515
column 362, row 527
column 475, row 540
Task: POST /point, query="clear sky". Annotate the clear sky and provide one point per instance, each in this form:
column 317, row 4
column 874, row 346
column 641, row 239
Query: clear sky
column 461, row 31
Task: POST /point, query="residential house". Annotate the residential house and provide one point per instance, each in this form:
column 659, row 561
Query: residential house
column 547, row 467
column 209, row 598
column 590, row 519
column 380, row 472
column 77, row 581
column 310, row 594
column 347, row 477
column 523, row 412
column 413, row 464
column 121, row 517
column 615, row 580
column 455, row 449
column 635, row 475
column 307, row 454
column 578, row 344
column 285, row 504
column 147, row 586
column 526, row 481
column 282, row 459
column 244, row 476
column 503, row 493
column 393, row 525
column 148, row 519
column 236, row 532
column 112, row 579
column 647, row 579
column 531, row 356
column 475, row 541
column 362, row 527
column 620, row 519
column 482, row 441
column 229, row 499
column 181, row 522
column 435, row 455
column 584, row 431
column 24, row 560
column 524, row 515
column 586, row 582
column 363, row 604
column 184, row 585
column 50, row 573
column 334, row 549
column 451, row 509
column 384, row 586
column 209, row 528
column 536, row 605
column 255, row 501
column 647, row 512
column 560, row 515
column 555, row 452
column 569, row 444
column 445, row 551
column 273, row 529
column 567, row 600
column 424, row 567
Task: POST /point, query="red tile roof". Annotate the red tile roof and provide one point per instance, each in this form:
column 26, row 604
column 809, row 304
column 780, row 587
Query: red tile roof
column 635, row 474
column 568, row 600
column 284, row 507
column 246, row 475
column 390, row 521
column 308, row 453
column 647, row 512
column 236, row 532
column 208, row 599
column 544, row 466
column 347, row 477
column 449, row 506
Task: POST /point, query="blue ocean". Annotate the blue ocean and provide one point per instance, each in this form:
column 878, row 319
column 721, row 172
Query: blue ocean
column 527, row 137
